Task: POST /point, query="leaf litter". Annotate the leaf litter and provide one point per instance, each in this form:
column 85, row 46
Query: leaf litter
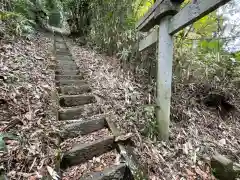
column 196, row 131
column 26, row 107
column 69, row 143
column 26, row 86
column 97, row 164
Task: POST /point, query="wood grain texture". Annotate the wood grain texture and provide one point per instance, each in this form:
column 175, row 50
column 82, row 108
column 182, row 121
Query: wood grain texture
column 164, row 79
column 193, row 12
column 70, row 114
column 68, row 67
column 82, row 128
column 135, row 169
column 149, row 41
column 75, row 113
column 148, row 15
column 63, row 56
column 66, row 63
column 66, row 72
column 159, row 10
column 75, row 100
column 67, row 77
column 114, row 173
column 71, row 82
column 74, row 90
column 84, row 152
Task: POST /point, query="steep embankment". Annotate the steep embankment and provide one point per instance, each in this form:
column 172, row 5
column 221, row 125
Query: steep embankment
column 26, row 117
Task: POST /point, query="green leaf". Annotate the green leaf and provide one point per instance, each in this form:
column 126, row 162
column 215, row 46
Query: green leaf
column 3, row 176
column 3, row 146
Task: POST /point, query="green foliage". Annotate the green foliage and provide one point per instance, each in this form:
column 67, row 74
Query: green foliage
column 25, row 15
column 4, row 136
column 212, row 45
column 55, row 19
column 25, row 8
column 141, row 7
column 207, row 25
column 151, row 129
column 16, row 23
column 237, row 56
column 78, row 14
column 112, row 26
column 209, row 62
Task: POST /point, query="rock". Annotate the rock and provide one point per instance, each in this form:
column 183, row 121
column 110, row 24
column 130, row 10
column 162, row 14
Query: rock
column 222, row 168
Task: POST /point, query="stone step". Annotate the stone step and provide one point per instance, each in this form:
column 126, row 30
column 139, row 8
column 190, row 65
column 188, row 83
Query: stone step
column 66, row 63
column 66, row 77
column 75, row 100
column 117, row 172
column 71, row 113
column 74, row 90
column 67, row 72
column 63, row 63
column 77, row 112
column 66, row 68
column 63, row 57
column 82, row 128
column 60, row 40
column 71, row 82
column 83, row 152
column 60, row 45
column 62, row 51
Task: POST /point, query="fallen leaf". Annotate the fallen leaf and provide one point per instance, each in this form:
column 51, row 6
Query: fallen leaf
column 201, row 173
column 123, row 137
column 222, row 142
column 39, row 58
column 32, row 178
column 28, row 116
column 53, row 173
column 189, row 172
column 98, row 169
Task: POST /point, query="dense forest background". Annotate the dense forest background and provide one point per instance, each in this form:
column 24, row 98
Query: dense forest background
column 200, row 50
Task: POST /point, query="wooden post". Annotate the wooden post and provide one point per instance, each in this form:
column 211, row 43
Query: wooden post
column 164, row 78
column 170, row 24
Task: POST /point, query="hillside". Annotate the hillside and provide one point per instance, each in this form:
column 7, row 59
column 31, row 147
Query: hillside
column 69, row 70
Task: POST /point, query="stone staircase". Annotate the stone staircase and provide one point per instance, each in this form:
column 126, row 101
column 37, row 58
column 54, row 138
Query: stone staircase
column 77, row 107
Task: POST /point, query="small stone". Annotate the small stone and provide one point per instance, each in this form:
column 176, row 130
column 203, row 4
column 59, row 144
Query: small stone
column 222, row 142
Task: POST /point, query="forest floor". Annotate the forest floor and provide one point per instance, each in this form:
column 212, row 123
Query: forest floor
column 28, row 125
column 197, row 131
column 26, row 117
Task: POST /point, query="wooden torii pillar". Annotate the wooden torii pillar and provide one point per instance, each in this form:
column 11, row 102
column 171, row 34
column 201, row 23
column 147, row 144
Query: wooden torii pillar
column 166, row 14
